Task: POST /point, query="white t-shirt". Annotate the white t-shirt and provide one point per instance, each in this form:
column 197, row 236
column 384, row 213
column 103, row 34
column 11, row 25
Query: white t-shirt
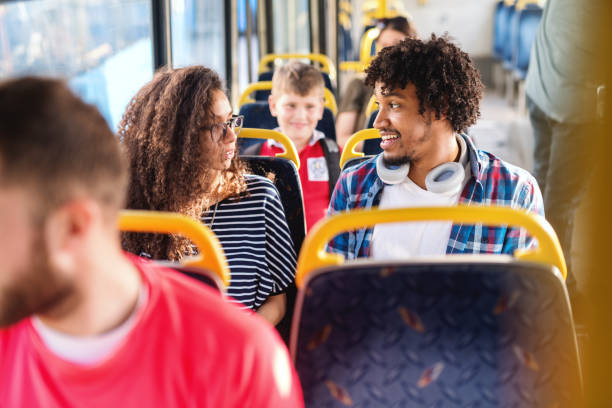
column 408, row 239
column 88, row 350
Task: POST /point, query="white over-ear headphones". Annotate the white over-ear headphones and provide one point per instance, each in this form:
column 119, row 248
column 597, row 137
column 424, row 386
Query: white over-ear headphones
column 445, row 178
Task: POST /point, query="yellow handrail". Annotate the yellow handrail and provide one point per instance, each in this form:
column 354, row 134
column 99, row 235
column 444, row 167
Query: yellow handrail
column 365, row 49
column 330, row 100
column 378, row 9
column 348, row 152
column 211, row 255
column 290, row 150
column 521, row 4
column 371, row 107
column 313, row 254
column 381, row 10
column 327, row 64
column 245, row 97
column 356, row 66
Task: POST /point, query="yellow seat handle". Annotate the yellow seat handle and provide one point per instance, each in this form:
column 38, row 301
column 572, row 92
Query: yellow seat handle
column 245, row 97
column 371, row 107
column 327, row 65
column 290, row 152
column 211, row 255
column 313, row 254
column 355, row 66
column 348, row 152
column 365, row 48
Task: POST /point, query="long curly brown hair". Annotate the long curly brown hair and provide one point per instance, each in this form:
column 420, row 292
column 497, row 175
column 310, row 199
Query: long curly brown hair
column 164, row 131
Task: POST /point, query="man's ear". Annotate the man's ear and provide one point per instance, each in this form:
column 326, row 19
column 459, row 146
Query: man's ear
column 272, row 105
column 67, row 232
column 431, row 115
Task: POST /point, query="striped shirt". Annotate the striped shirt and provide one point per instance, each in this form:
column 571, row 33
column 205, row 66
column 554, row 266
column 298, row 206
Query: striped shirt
column 255, row 237
column 492, row 182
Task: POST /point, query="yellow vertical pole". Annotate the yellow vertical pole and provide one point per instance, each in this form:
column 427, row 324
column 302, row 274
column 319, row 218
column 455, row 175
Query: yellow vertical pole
column 381, row 11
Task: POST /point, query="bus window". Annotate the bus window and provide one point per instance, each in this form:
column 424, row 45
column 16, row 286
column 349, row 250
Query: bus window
column 198, row 34
column 291, row 26
column 102, row 47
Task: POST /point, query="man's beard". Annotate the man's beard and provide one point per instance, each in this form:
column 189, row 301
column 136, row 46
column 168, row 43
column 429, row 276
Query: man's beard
column 35, row 289
column 395, row 161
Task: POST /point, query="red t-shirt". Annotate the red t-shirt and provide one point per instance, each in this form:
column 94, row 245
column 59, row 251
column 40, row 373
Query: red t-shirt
column 314, row 177
column 188, row 348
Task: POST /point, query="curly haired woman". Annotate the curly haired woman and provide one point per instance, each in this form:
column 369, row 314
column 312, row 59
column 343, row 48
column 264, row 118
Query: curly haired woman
column 180, row 136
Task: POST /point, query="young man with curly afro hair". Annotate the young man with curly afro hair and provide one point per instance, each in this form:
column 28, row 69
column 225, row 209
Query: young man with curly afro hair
column 428, row 93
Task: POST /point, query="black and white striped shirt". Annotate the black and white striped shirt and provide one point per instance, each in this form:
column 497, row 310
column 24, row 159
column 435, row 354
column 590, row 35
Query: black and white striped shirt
column 254, row 235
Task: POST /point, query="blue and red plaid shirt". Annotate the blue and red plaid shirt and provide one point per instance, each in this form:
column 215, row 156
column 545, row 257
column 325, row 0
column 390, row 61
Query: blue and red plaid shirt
column 492, row 182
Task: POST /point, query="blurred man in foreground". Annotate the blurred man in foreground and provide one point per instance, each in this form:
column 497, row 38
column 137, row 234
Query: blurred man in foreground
column 83, row 324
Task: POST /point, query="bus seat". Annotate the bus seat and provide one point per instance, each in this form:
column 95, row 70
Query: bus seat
column 330, row 99
column 437, row 334
column 498, row 26
column 453, row 331
column 262, row 95
column 349, row 156
column 371, row 147
column 287, row 182
column 257, row 115
column 511, row 36
column 528, row 22
column 199, row 274
column 502, row 27
column 323, row 61
column 209, row 266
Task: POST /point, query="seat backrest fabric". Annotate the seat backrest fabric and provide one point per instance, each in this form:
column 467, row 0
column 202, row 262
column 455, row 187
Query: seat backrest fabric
column 529, row 21
column 437, row 335
column 198, row 274
column 371, row 147
column 287, row 181
column 498, row 37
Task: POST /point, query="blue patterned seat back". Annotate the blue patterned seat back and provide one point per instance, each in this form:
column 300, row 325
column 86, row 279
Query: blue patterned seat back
column 199, row 274
column 498, row 26
column 287, row 182
column 436, row 335
column 511, row 37
column 529, row 21
column 371, row 147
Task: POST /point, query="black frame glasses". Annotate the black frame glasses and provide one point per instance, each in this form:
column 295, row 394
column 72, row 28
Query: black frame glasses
column 234, row 123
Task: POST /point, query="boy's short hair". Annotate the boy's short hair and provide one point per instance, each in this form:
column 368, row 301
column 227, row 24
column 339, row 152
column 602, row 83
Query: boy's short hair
column 53, row 143
column 297, row 77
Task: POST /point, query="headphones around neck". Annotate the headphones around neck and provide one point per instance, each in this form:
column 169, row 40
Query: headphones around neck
column 445, row 178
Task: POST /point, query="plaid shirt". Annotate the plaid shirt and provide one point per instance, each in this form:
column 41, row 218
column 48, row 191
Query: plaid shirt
column 492, row 183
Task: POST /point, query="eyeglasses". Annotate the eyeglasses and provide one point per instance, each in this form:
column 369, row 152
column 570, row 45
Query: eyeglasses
column 234, row 123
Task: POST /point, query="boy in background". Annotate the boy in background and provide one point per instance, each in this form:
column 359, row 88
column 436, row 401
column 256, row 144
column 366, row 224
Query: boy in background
column 297, row 103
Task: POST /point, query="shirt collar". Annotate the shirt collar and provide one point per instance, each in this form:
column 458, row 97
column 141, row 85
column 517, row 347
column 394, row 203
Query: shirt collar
column 316, row 136
column 476, row 162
